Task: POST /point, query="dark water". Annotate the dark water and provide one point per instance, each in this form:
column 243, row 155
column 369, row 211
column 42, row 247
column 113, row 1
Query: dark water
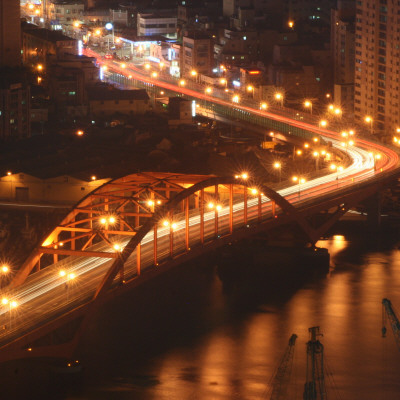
column 184, row 337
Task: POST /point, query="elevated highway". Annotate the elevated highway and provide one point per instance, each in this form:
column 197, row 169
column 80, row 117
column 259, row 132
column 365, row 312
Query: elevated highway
column 139, row 226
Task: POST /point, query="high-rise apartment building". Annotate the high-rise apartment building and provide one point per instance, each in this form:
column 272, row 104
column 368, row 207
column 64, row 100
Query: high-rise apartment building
column 342, row 48
column 377, row 65
column 10, row 33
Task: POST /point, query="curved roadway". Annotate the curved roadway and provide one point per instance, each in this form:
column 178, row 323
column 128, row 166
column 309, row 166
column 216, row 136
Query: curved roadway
column 46, row 295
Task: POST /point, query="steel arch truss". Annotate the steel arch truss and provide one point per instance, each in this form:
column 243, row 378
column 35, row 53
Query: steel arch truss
column 153, row 218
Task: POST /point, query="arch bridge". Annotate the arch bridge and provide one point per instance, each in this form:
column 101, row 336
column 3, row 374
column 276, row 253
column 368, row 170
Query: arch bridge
column 134, row 228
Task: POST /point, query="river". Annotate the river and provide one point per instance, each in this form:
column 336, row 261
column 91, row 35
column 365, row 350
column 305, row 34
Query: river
column 185, row 337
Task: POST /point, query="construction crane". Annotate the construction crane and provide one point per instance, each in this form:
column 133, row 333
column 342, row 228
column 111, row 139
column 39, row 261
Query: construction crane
column 281, row 379
column 314, row 388
column 387, row 311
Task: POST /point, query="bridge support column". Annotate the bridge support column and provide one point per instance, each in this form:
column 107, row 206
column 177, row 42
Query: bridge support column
column 202, row 216
column 245, row 205
column 230, row 208
column 186, row 202
column 216, row 212
column 373, row 207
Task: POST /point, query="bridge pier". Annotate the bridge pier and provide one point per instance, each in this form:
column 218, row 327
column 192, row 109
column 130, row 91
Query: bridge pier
column 373, row 208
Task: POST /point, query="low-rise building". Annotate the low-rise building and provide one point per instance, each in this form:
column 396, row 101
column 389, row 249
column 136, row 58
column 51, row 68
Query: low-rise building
column 63, row 13
column 39, row 43
column 197, row 54
column 14, row 105
column 109, row 101
column 159, row 23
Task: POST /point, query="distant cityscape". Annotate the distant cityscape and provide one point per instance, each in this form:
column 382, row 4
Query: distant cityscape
column 341, row 56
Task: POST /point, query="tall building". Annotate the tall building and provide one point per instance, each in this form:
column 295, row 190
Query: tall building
column 377, row 65
column 10, row 33
column 197, row 53
column 342, row 47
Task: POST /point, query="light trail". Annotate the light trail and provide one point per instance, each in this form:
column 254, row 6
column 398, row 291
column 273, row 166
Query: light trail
column 42, row 295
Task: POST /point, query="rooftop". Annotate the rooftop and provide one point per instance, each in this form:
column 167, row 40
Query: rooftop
column 107, row 93
column 47, row 34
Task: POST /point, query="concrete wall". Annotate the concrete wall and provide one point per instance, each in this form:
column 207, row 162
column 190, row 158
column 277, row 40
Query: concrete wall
column 60, row 190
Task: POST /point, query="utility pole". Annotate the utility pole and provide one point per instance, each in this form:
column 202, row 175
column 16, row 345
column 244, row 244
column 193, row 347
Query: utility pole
column 314, row 388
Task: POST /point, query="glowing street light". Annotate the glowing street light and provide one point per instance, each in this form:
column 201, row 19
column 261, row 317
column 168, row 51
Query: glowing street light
column 235, row 99
column 263, row 106
column 323, row 123
column 182, row 82
column 208, row 90
column 369, row 120
column 338, row 111
column 154, row 74
column 279, row 97
column 278, row 166
column 250, row 88
column 337, row 168
column 79, row 133
column 11, row 304
column 39, row 67
column 299, row 180
column 308, row 104
column 290, row 24
column 376, row 157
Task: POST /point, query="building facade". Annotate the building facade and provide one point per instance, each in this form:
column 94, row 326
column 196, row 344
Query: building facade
column 156, row 24
column 10, row 34
column 342, row 47
column 14, row 110
column 197, row 54
column 377, row 65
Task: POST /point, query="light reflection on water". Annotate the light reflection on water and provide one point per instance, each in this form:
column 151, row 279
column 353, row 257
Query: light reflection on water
column 236, row 358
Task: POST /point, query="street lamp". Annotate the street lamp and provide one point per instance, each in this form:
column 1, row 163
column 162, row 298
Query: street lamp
column 316, row 155
column 323, row 123
column 338, row 169
column 369, row 120
column 250, row 88
column 376, row 157
column 263, row 106
column 223, row 81
column 338, row 111
column 290, row 24
column 279, row 97
column 308, row 104
column 193, row 73
column 208, row 90
column 11, row 304
column 278, row 166
column 235, row 99
column 110, row 27
column 299, row 180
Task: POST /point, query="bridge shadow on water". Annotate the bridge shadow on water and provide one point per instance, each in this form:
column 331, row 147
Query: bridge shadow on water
column 179, row 308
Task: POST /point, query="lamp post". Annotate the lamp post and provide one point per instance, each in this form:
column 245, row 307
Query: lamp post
column 338, row 169
column 369, row 120
column 323, row 123
column 11, row 304
column 308, row 104
column 316, row 155
column 299, row 180
column 278, row 166
column 279, row 97
column 110, row 27
column 250, row 88
column 376, row 157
